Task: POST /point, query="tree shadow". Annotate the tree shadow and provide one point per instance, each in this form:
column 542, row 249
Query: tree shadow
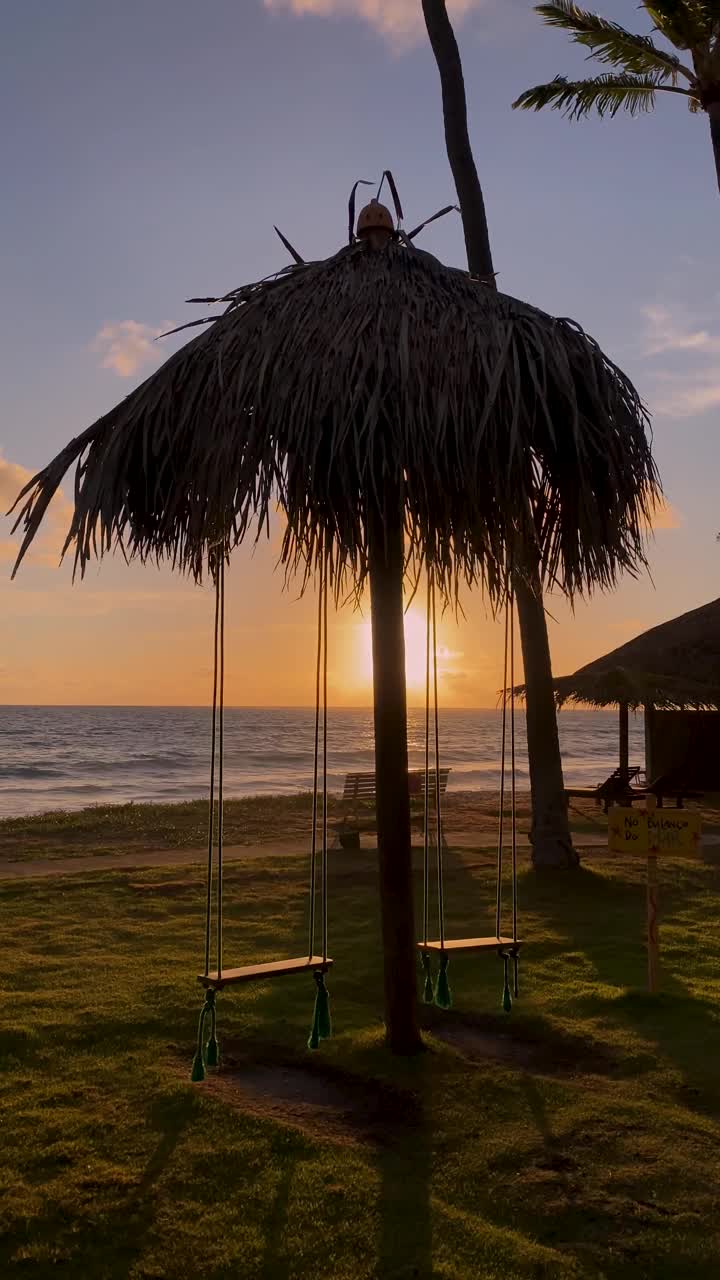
column 405, row 1237
column 275, row 1264
column 604, row 918
column 114, row 1251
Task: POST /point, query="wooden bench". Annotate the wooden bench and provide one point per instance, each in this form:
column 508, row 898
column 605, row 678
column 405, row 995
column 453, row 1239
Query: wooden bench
column 359, row 799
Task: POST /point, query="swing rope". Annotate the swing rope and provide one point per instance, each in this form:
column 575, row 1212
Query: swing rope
column 321, row 1027
column 208, row 1054
column 438, row 819
column 428, row 991
column 221, row 761
column 211, row 816
column 313, row 840
column 512, row 952
column 501, row 832
column 440, row 993
column 513, row 795
column 443, row 994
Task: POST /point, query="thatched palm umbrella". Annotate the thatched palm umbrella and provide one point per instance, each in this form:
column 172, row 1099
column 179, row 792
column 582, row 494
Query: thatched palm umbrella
column 392, row 406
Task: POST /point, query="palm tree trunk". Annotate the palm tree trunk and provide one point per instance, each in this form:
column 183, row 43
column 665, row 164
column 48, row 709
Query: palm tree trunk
column 552, row 844
column 457, row 139
column 386, row 553
column 714, row 114
column 550, row 830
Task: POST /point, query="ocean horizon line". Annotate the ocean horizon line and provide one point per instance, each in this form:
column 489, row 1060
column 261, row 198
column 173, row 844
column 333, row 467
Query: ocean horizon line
column 261, row 706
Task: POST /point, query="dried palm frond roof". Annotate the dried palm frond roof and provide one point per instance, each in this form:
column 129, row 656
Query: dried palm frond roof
column 676, row 664
column 339, row 384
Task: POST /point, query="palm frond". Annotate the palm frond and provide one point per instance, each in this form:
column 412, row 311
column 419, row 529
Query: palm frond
column 369, row 373
column 611, row 43
column 687, row 24
column 605, row 94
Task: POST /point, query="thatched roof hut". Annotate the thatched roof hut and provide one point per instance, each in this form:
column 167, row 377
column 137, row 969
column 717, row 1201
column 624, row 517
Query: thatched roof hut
column 673, row 665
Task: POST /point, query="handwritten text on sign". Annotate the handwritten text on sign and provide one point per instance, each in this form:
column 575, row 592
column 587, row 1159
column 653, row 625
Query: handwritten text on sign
column 664, row 831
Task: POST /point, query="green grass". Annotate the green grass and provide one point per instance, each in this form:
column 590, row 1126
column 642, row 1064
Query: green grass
column 596, row 1157
column 118, row 828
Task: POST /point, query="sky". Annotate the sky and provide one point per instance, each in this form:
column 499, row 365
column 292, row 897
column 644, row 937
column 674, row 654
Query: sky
column 152, row 148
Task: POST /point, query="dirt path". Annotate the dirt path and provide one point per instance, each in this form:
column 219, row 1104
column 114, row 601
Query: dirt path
column 138, row 859
column 43, row 868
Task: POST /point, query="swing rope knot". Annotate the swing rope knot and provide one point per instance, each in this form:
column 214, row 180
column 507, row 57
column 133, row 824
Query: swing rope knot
column 428, row 994
column 506, row 1003
column 206, row 1056
column 321, row 1028
column 443, row 994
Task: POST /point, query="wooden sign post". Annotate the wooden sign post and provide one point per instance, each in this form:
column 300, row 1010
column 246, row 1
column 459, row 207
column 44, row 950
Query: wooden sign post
column 650, row 831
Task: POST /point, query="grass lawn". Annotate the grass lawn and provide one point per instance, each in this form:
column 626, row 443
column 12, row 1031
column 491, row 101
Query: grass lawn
column 120, row 828
column 579, row 1138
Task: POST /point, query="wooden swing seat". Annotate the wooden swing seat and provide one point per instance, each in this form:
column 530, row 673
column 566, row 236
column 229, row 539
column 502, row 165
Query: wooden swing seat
column 470, row 944
column 273, row 969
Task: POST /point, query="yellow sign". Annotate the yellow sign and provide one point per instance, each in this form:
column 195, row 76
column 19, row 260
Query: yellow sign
column 661, row 831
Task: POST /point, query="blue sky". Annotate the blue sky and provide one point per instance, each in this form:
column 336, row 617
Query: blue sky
column 153, row 146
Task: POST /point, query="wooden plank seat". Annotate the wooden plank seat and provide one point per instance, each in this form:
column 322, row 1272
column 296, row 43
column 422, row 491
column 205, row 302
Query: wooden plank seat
column 272, row 969
column 359, row 799
column 470, row 944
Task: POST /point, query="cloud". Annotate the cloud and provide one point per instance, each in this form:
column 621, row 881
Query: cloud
column 399, row 20
column 666, row 332
column 48, row 544
column 689, row 380
column 126, row 347
column 681, row 395
column 666, row 517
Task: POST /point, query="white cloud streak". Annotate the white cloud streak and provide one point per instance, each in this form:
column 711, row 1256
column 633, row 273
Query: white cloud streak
column 127, row 347
column 688, row 382
column 666, row 332
column 682, row 395
column 400, row 21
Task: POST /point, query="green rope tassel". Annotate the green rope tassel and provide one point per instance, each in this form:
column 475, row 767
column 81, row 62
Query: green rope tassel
column 506, row 998
column 212, row 1053
column 200, row 1061
column 516, row 989
column 443, row 994
column 428, row 994
column 321, row 1028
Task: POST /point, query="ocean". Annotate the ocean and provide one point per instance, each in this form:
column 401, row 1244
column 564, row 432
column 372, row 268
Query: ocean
column 69, row 757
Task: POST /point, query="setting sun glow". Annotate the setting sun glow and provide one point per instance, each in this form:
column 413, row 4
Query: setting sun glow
column 415, row 644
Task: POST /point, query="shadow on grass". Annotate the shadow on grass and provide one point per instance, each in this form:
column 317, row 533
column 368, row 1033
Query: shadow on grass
column 50, row 1240
column 275, row 1264
column 405, row 1239
column 604, row 917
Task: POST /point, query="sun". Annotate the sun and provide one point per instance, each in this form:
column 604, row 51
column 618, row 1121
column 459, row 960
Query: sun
column 415, row 643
